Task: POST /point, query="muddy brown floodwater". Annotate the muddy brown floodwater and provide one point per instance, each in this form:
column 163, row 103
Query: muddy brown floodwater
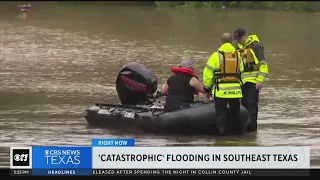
column 62, row 59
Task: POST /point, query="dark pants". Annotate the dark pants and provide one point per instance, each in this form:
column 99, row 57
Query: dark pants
column 174, row 103
column 228, row 119
column 250, row 101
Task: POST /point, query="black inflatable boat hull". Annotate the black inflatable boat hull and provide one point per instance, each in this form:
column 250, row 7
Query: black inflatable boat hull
column 199, row 119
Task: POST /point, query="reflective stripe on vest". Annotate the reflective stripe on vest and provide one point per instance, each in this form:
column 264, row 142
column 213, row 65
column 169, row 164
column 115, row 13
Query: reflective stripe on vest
column 228, row 91
column 212, row 69
column 262, row 74
column 229, row 88
column 253, row 74
column 263, row 62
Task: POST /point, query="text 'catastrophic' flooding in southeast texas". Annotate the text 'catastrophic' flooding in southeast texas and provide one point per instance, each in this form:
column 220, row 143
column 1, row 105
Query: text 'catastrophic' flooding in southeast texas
column 199, row 157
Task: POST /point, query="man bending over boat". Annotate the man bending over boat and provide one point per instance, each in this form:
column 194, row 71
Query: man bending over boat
column 181, row 86
column 223, row 71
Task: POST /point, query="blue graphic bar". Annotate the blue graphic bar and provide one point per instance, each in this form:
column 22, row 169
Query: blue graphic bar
column 61, row 172
column 61, row 157
column 112, row 142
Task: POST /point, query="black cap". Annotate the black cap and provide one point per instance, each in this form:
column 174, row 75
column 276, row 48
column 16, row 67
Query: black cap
column 238, row 33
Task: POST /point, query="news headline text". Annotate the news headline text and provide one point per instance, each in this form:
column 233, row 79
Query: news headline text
column 198, row 157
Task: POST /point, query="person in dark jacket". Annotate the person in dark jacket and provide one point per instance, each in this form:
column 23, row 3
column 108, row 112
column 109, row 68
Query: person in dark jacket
column 181, row 86
column 255, row 72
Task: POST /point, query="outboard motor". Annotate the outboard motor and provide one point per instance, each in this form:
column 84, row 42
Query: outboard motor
column 134, row 83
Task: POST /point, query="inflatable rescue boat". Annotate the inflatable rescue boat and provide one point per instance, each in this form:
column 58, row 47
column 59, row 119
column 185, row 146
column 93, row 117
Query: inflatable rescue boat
column 136, row 87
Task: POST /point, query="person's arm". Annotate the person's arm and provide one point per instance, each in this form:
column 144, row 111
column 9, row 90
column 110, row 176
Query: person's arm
column 208, row 73
column 258, row 50
column 208, row 76
column 165, row 88
column 196, row 84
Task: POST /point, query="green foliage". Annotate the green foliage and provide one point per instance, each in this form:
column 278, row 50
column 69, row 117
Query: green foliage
column 148, row 3
column 299, row 6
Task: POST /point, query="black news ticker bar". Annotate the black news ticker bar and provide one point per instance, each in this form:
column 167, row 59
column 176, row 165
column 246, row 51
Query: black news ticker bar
column 200, row 172
column 180, row 172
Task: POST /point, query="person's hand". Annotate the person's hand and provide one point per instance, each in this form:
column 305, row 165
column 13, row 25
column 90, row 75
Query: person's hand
column 258, row 85
column 207, row 98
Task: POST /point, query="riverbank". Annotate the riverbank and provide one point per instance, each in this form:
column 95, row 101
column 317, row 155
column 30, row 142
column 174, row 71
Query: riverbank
column 296, row 6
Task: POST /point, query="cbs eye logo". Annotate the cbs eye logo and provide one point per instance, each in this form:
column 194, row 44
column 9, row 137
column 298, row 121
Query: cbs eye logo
column 20, row 157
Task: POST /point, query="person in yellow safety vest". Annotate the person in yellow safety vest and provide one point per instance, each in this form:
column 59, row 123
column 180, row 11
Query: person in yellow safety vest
column 255, row 72
column 223, row 71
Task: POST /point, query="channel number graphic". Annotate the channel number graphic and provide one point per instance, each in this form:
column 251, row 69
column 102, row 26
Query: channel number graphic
column 21, row 157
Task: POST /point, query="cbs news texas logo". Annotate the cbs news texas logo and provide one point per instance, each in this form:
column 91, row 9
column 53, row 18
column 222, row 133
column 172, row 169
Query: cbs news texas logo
column 62, row 157
column 20, row 157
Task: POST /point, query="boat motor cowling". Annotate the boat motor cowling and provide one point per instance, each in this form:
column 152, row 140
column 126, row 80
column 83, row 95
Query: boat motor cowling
column 134, row 83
